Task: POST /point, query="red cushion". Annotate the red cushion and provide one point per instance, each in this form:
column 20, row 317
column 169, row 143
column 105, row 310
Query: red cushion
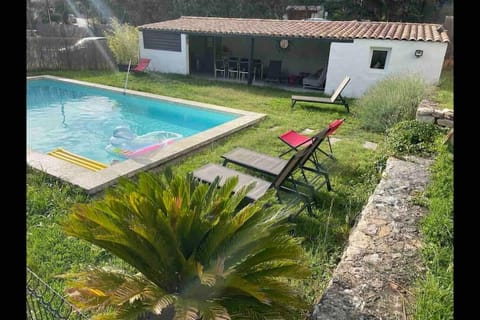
column 295, row 139
column 334, row 125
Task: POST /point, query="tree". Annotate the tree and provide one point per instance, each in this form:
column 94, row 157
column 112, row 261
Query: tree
column 195, row 256
column 388, row 10
column 123, row 40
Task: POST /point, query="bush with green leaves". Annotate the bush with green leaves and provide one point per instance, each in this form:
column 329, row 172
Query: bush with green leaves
column 412, row 137
column 122, row 39
column 196, row 255
column 389, row 101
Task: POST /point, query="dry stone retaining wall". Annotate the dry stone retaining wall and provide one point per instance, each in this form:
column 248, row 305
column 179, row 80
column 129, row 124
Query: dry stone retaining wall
column 383, row 254
column 428, row 111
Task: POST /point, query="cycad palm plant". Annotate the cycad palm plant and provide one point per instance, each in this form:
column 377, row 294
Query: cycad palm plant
column 196, row 256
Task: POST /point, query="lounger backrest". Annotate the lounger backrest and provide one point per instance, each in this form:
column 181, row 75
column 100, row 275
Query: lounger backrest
column 144, row 61
column 292, row 164
column 299, row 158
column 323, row 76
column 142, row 64
column 317, row 140
column 334, row 125
column 340, row 88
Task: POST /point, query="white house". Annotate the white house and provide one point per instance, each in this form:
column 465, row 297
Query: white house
column 366, row 51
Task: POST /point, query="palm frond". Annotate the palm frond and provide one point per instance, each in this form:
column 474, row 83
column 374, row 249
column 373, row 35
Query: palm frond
column 196, row 254
column 163, row 303
column 291, row 270
column 186, row 310
column 132, row 311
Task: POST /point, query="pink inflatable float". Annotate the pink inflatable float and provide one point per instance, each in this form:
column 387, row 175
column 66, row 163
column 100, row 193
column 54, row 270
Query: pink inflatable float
column 126, row 144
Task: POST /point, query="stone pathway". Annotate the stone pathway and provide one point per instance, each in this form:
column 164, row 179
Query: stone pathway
column 383, row 254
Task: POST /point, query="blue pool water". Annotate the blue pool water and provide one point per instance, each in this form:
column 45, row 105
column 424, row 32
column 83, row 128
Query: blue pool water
column 81, row 119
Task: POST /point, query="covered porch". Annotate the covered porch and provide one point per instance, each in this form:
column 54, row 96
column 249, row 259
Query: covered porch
column 274, row 61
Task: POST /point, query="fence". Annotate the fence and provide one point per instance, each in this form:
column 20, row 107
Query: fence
column 57, row 53
column 43, row 302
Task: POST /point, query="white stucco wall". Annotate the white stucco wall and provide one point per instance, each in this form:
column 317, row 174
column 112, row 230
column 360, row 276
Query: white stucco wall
column 353, row 59
column 167, row 61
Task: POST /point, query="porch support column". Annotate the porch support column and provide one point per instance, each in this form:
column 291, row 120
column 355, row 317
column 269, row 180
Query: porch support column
column 214, row 56
column 250, row 61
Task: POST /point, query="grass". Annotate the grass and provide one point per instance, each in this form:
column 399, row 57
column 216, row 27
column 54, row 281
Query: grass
column 444, row 92
column 434, row 290
column 353, row 175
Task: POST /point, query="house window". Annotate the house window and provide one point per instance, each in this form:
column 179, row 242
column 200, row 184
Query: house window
column 162, row 40
column 379, row 59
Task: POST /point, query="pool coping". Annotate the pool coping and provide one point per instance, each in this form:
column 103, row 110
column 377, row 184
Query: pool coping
column 95, row 181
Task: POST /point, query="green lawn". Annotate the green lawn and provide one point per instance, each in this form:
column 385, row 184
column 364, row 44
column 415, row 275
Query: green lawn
column 434, row 289
column 444, row 92
column 354, row 175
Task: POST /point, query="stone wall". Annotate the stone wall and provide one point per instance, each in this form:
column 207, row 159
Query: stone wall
column 383, row 253
column 428, row 111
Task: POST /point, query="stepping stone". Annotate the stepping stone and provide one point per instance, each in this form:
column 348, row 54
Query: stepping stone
column 308, row 131
column 333, row 140
column 369, row 145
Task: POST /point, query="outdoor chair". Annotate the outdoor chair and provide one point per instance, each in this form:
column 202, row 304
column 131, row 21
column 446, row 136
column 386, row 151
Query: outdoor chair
column 272, row 166
column 316, row 80
column 297, row 140
column 243, row 69
column 257, row 68
column 211, row 173
column 233, row 67
column 274, row 71
column 220, row 67
column 336, row 98
column 142, row 65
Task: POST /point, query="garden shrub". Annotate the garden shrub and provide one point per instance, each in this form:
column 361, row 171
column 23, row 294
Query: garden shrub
column 391, row 100
column 123, row 40
column 411, row 137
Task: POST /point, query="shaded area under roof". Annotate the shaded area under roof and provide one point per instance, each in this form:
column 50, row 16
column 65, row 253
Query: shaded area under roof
column 339, row 30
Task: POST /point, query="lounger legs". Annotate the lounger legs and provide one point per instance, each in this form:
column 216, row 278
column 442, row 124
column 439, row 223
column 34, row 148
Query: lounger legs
column 330, row 155
column 288, row 151
column 344, row 102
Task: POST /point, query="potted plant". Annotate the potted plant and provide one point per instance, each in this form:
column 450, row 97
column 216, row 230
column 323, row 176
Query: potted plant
column 122, row 39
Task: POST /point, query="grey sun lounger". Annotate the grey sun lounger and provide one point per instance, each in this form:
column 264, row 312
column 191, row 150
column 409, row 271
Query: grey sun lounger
column 209, row 172
column 336, row 98
column 272, row 166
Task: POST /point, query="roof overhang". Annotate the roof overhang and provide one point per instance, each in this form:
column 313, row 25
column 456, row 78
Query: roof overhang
column 300, row 29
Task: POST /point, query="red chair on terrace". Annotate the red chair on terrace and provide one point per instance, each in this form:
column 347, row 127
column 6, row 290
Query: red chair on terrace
column 296, row 140
column 142, row 65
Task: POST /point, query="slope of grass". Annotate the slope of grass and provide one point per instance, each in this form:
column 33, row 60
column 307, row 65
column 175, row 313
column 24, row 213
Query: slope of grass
column 434, row 290
column 444, row 92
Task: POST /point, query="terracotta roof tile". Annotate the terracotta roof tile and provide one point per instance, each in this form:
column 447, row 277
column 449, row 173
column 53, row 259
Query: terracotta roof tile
column 341, row 30
column 391, row 32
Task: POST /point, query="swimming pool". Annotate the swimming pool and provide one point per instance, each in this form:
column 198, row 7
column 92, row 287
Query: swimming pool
column 82, row 117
